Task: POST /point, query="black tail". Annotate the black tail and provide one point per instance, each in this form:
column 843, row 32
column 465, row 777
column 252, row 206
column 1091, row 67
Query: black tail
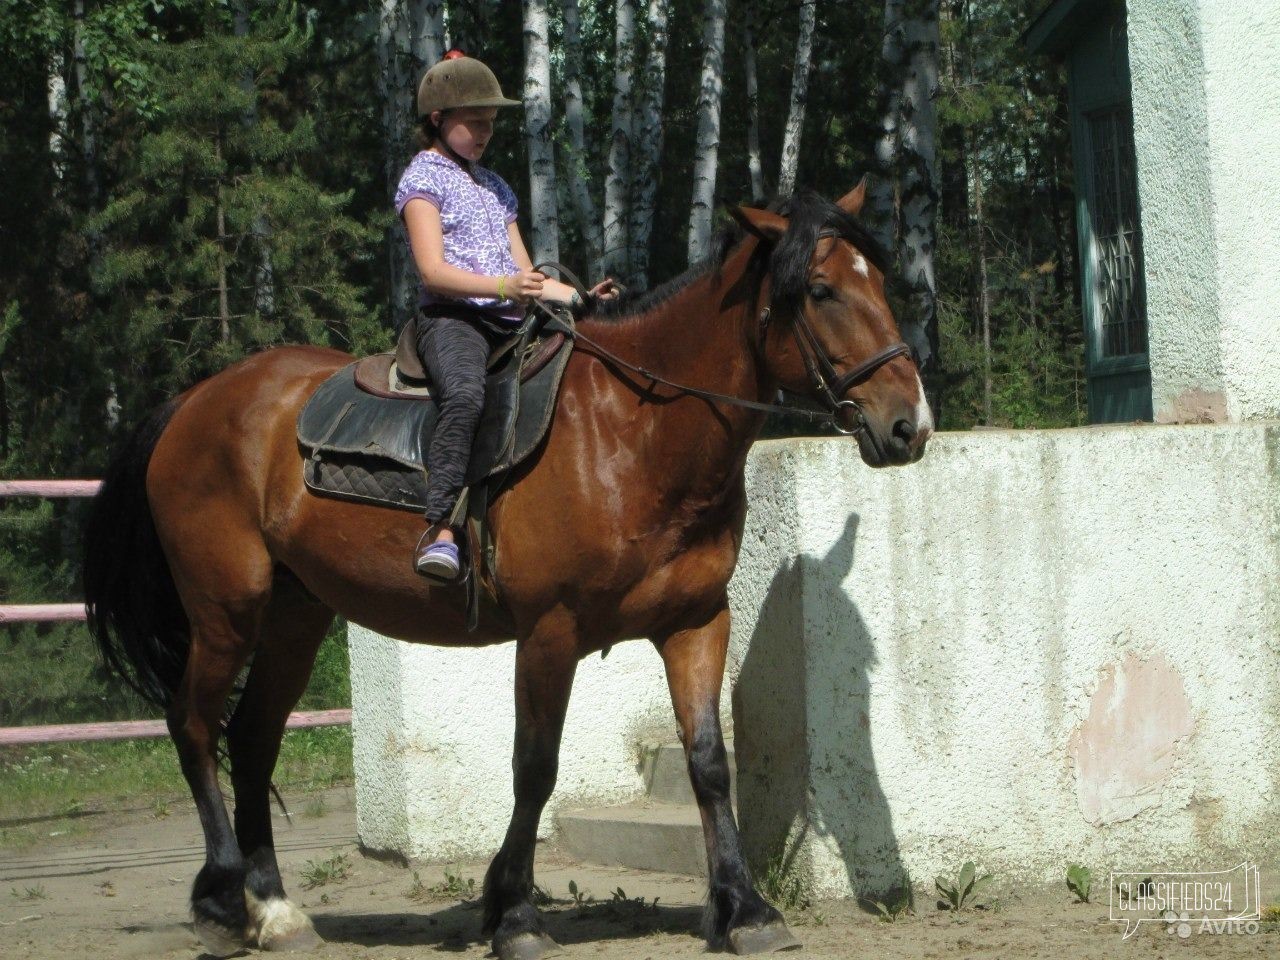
column 134, row 611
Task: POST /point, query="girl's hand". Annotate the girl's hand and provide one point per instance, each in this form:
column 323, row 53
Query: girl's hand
column 606, row 289
column 524, row 286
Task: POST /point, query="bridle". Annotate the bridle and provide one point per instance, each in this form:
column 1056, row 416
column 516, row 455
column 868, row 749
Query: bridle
column 828, row 383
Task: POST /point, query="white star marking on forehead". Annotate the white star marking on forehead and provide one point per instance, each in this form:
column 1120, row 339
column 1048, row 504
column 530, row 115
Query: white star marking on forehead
column 859, row 261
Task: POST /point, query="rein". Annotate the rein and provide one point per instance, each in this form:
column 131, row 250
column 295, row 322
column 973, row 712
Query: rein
column 823, row 375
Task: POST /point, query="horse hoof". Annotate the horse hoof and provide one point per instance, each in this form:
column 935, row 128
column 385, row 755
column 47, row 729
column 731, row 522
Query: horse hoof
column 528, row 946
column 298, row 941
column 768, row 938
column 281, row 925
column 218, row 941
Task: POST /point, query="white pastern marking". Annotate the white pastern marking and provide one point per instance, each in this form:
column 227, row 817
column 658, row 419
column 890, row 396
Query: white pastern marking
column 275, row 918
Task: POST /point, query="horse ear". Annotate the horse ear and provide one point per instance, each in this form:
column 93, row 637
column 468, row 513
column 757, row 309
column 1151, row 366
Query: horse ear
column 766, row 225
column 851, row 202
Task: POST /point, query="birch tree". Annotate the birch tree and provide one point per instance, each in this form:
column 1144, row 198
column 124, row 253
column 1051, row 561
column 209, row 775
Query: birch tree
column 799, row 94
column 881, row 207
column 647, row 139
column 919, row 184
column 56, row 95
column 754, row 166
column 538, row 133
column 618, row 176
column 574, row 156
column 706, row 156
column 426, row 32
column 398, row 72
column 263, row 274
column 85, row 92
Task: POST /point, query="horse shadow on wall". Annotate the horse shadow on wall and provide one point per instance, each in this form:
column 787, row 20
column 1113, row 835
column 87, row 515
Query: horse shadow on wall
column 788, row 720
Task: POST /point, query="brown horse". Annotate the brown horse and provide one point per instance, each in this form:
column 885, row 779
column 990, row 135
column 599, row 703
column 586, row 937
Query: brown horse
column 204, row 549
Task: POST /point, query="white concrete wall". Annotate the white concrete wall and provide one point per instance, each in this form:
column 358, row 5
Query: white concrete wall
column 1027, row 649
column 1206, row 116
column 433, row 736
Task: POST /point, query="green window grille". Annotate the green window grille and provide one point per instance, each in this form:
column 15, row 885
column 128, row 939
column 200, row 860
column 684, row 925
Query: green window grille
column 1119, row 295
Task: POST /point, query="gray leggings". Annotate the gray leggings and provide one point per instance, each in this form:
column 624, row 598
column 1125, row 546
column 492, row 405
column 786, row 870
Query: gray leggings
column 454, row 352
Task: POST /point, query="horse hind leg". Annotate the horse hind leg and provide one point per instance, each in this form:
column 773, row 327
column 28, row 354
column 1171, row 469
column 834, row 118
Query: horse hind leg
column 220, row 646
column 293, row 627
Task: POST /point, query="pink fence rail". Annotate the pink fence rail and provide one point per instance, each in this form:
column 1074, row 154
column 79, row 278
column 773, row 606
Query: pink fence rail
column 33, row 612
column 36, row 612
column 131, row 729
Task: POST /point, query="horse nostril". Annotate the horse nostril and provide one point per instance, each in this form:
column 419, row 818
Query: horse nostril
column 905, row 431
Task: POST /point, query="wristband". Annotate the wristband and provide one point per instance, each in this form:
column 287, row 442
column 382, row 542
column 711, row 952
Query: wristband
column 502, row 282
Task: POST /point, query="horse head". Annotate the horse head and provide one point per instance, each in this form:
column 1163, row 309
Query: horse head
column 827, row 331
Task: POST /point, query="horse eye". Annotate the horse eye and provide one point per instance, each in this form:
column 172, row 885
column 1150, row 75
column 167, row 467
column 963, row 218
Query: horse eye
column 820, row 291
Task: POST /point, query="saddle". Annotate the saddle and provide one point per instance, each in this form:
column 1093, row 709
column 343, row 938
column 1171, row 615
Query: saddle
column 364, row 433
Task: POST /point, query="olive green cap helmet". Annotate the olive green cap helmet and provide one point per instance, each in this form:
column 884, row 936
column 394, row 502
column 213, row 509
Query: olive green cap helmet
column 460, row 82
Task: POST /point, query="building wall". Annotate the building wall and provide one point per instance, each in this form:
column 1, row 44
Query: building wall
column 1242, row 92
column 1206, row 108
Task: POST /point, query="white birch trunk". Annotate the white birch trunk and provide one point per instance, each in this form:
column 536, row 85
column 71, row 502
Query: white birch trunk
column 708, row 143
column 984, row 294
column 617, row 200
column 754, row 166
column 647, row 138
column 543, row 216
column 881, row 207
column 574, row 157
column 88, row 121
column 426, row 34
column 799, row 95
column 264, row 295
column 396, row 91
column 919, row 198
column 57, row 98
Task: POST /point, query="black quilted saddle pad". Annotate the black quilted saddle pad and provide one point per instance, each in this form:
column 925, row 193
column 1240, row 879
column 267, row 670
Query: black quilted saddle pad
column 367, row 448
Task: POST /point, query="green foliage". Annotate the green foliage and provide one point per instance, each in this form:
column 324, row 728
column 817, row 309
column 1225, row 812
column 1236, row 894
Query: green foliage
column 781, row 885
column 39, row 785
column 1079, row 881
column 215, row 242
column 1005, row 231
column 964, row 889
column 896, row 903
column 580, row 897
column 321, row 873
column 454, row 886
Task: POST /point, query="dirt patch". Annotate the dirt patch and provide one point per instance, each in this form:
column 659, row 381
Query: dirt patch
column 123, row 894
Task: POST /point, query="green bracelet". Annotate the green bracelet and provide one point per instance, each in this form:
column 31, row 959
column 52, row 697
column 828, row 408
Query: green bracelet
column 502, row 282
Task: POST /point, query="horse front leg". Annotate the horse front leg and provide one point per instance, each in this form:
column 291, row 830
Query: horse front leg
column 736, row 915
column 545, row 665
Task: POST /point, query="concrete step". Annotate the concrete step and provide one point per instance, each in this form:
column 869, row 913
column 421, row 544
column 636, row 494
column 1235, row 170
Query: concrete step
column 666, row 777
column 642, row 835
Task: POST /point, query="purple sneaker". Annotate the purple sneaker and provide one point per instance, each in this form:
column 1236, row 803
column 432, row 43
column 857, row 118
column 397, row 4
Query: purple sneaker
column 439, row 561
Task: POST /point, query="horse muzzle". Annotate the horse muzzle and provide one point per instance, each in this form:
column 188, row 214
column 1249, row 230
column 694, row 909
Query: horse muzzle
column 900, row 442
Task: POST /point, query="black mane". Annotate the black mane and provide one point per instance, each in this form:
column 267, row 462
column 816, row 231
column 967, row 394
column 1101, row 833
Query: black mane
column 808, row 214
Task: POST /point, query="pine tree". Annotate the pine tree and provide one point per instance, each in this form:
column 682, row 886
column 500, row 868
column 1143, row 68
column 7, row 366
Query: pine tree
column 178, row 268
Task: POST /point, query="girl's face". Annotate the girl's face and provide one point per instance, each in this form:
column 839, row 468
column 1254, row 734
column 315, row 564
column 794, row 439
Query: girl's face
column 466, row 130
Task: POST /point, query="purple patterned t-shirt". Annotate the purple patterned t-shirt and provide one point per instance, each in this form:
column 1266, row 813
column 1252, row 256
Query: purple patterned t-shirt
column 473, row 216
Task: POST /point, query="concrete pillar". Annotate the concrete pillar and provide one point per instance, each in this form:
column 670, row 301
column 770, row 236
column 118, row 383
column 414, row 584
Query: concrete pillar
column 1206, row 119
column 433, row 736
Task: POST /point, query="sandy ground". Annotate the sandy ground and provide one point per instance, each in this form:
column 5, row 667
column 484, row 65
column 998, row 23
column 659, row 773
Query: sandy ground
column 122, row 893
